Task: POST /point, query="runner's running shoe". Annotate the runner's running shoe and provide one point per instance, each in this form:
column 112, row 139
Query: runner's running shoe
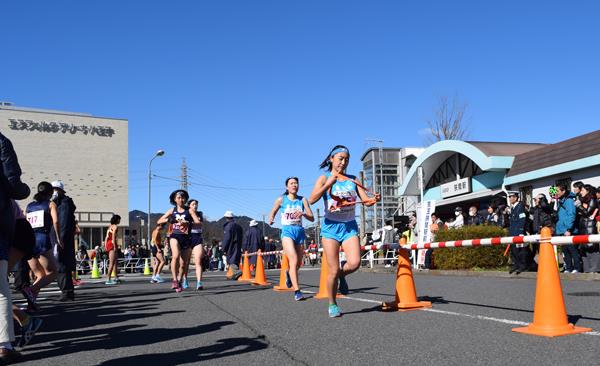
column 199, row 286
column 334, row 311
column 298, row 295
column 28, row 331
column 158, row 279
column 110, row 282
column 184, row 284
column 174, row 285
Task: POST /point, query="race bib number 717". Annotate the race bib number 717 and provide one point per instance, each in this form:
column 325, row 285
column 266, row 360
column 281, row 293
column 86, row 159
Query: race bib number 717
column 36, row 219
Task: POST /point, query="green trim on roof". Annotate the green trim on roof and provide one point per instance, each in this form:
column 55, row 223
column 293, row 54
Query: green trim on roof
column 554, row 170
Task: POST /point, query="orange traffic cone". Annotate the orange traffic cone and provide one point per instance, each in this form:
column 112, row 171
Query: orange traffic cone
column 549, row 314
column 246, row 276
column 406, row 294
column 229, row 273
column 285, row 266
column 322, row 294
column 260, row 278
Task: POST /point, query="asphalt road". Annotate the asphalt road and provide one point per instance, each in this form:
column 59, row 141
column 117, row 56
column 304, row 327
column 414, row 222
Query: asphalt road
column 138, row 323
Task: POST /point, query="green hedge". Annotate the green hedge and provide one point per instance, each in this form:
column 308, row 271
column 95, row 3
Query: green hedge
column 470, row 258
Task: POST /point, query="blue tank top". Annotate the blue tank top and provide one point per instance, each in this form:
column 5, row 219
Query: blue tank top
column 345, row 190
column 38, row 215
column 291, row 211
column 182, row 221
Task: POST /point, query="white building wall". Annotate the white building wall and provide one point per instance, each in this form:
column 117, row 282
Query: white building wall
column 93, row 168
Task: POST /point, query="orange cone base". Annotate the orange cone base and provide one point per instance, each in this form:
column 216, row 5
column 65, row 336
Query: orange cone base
column 282, row 289
column 551, row 331
column 242, row 279
column 405, row 306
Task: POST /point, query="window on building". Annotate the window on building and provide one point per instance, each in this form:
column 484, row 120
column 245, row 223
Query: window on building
column 448, row 171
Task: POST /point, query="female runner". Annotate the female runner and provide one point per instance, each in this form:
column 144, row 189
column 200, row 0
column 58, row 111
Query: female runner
column 157, row 253
column 292, row 233
column 111, row 248
column 197, row 246
column 42, row 214
column 181, row 217
column 340, row 194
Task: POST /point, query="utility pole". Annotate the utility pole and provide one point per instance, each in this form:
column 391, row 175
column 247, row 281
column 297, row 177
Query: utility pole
column 263, row 225
column 184, row 176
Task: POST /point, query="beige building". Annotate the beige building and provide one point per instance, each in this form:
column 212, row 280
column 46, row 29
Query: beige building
column 88, row 153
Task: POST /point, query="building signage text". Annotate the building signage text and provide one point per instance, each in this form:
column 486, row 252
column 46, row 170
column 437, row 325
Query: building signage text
column 455, row 188
column 59, row 127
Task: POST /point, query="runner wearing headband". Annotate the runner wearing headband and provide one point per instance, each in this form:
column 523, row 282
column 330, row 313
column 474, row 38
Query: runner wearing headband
column 293, row 207
column 181, row 217
column 340, row 195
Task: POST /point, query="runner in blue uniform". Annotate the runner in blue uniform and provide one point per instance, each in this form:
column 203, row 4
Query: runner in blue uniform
column 293, row 207
column 340, row 195
column 181, row 217
column 42, row 215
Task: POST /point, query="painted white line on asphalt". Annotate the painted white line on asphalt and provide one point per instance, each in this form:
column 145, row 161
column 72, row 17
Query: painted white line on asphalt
column 480, row 317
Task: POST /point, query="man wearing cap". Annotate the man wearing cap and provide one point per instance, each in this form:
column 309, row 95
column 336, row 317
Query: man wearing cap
column 68, row 228
column 459, row 221
column 520, row 253
column 232, row 243
column 253, row 241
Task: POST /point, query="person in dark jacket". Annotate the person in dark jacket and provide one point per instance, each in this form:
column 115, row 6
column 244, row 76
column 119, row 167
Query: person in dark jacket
column 542, row 213
column 68, row 229
column 517, row 218
column 232, row 243
column 588, row 210
column 11, row 187
column 474, row 217
column 565, row 226
column 253, row 241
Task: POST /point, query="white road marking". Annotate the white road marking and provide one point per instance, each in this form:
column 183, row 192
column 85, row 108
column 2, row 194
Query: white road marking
column 471, row 316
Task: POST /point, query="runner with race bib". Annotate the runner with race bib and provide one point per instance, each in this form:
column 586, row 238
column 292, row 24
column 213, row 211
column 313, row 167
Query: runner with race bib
column 293, row 208
column 340, row 195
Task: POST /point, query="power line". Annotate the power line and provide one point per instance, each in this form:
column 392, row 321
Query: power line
column 221, row 187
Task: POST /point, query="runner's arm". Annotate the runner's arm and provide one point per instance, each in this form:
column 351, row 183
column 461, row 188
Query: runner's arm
column 321, row 186
column 365, row 197
column 165, row 218
column 274, row 210
column 308, row 212
column 55, row 223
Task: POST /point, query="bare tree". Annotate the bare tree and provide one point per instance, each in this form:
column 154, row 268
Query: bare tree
column 448, row 122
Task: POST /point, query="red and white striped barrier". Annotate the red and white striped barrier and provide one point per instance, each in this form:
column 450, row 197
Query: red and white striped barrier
column 555, row 240
column 306, row 251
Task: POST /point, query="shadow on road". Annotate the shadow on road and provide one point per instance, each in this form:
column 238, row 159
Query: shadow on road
column 114, row 338
column 223, row 348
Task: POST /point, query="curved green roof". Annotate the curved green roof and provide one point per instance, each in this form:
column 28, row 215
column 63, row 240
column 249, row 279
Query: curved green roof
column 437, row 153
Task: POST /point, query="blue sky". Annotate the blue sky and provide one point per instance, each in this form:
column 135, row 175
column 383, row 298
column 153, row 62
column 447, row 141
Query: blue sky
column 250, row 92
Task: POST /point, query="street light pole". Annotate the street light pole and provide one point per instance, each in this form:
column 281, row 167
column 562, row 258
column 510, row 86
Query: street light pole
column 157, row 154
